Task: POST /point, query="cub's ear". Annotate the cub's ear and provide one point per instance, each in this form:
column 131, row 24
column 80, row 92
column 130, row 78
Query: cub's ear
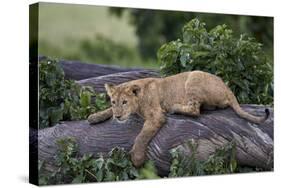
column 110, row 88
column 135, row 89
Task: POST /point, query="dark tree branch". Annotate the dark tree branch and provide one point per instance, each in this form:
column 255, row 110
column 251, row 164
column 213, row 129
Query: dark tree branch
column 77, row 70
column 117, row 78
column 212, row 130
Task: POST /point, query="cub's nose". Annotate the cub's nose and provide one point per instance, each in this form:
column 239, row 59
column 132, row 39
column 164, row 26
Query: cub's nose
column 118, row 117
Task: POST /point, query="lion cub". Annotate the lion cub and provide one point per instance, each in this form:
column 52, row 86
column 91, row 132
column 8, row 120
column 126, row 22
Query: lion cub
column 151, row 98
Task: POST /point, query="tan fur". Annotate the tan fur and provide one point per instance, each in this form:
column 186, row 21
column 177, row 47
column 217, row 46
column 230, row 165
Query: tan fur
column 100, row 116
column 151, row 98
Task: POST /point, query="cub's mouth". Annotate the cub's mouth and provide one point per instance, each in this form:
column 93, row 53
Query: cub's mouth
column 120, row 119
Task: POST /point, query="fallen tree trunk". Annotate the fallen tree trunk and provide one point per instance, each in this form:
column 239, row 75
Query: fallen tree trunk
column 98, row 82
column 77, row 70
column 211, row 130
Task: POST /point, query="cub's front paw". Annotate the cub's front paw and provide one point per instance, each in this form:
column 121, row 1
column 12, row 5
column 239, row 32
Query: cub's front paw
column 93, row 119
column 137, row 157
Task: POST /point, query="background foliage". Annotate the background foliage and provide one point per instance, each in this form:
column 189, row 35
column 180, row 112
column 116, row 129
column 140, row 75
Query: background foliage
column 61, row 99
column 155, row 27
column 142, row 31
column 239, row 61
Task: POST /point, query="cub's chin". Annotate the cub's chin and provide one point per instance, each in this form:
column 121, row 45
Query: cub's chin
column 121, row 120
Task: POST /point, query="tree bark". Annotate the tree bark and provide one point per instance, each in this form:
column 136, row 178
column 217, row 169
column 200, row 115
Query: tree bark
column 77, row 70
column 211, row 130
column 117, row 78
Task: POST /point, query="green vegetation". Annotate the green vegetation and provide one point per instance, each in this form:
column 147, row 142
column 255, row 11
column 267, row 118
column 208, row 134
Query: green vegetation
column 101, row 50
column 64, row 30
column 72, row 168
column 88, row 34
column 155, row 27
column 240, row 62
column 68, row 24
column 223, row 161
column 105, row 51
column 61, row 99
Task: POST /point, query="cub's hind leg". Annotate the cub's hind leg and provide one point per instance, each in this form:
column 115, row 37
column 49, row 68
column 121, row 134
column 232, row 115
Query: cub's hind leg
column 192, row 108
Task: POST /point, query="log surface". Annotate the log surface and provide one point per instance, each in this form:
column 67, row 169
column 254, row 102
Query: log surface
column 117, row 78
column 212, row 130
column 77, row 70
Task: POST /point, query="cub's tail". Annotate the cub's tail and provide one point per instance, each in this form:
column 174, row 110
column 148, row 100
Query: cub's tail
column 255, row 119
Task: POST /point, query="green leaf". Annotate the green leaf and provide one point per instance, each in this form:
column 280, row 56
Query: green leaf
column 240, row 62
column 233, row 165
column 55, row 114
column 62, row 99
column 78, row 179
column 85, row 99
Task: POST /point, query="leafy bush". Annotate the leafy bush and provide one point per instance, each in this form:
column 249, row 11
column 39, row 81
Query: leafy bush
column 74, row 169
column 183, row 165
column 221, row 162
column 61, row 99
column 117, row 166
column 155, row 27
column 240, row 62
column 148, row 171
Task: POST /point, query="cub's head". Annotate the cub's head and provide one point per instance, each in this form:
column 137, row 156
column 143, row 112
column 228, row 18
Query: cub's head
column 124, row 100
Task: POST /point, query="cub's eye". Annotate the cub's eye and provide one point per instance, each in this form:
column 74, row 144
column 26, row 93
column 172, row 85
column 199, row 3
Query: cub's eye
column 113, row 102
column 124, row 102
